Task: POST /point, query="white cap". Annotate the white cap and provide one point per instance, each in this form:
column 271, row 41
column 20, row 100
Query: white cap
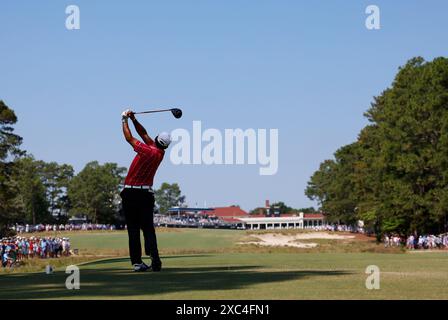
column 164, row 138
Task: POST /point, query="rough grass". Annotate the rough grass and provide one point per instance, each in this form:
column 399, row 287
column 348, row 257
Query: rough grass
column 38, row 265
column 360, row 243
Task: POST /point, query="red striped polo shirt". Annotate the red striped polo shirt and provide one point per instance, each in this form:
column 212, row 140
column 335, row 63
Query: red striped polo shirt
column 144, row 165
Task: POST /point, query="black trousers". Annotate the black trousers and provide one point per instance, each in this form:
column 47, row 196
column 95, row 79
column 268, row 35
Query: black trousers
column 138, row 208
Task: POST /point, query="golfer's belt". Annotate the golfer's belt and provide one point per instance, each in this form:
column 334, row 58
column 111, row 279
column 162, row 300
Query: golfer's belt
column 149, row 188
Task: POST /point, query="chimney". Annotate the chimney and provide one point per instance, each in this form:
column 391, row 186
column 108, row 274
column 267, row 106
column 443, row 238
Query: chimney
column 268, row 208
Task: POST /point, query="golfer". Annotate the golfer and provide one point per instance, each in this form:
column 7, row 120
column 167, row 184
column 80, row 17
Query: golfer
column 138, row 195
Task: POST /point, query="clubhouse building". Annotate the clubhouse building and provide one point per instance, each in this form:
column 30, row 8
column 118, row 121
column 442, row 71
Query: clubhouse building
column 266, row 218
column 295, row 221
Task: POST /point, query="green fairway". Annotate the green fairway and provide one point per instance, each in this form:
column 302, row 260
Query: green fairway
column 169, row 240
column 221, row 270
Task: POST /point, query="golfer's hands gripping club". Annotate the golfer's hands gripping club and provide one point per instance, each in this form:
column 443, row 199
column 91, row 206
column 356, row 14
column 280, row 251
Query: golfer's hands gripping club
column 128, row 114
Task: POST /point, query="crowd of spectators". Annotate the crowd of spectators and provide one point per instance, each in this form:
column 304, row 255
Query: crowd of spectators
column 61, row 227
column 412, row 242
column 392, row 241
column 16, row 249
column 189, row 221
column 336, row 228
column 341, row 228
column 418, row 242
column 159, row 221
column 427, row 242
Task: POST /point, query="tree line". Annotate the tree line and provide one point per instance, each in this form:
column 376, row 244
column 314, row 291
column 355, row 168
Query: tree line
column 282, row 208
column 33, row 191
column 394, row 177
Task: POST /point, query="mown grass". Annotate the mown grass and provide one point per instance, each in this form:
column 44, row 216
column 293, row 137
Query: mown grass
column 93, row 245
column 245, row 276
column 211, row 264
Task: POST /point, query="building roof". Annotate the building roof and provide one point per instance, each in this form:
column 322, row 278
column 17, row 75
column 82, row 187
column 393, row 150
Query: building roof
column 228, row 212
column 230, row 220
column 313, row 216
column 291, row 219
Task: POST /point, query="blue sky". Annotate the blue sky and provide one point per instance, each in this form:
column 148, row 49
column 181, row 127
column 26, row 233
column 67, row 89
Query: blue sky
column 307, row 68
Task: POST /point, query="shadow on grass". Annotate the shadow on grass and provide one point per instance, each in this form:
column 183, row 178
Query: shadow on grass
column 146, row 259
column 114, row 283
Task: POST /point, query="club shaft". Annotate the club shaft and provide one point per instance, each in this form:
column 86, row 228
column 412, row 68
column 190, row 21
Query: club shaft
column 153, row 111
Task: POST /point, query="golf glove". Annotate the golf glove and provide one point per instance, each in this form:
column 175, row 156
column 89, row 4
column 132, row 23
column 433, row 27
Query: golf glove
column 125, row 113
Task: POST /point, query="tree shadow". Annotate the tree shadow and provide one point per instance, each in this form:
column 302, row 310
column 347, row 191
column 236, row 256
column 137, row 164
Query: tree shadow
column 146, row 259
column 99, row 281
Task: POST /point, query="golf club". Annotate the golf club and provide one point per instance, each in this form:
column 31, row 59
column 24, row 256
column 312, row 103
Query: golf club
column 177, row 113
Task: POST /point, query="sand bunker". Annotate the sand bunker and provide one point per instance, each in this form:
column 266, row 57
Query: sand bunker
column 292, row 240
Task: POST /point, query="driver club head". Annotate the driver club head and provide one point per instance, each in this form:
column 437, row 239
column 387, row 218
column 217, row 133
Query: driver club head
column 177, row 113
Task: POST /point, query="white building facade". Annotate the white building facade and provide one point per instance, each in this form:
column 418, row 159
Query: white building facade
column 301, row 221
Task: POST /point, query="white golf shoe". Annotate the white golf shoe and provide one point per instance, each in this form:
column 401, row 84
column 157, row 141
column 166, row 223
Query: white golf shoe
column 140, row 267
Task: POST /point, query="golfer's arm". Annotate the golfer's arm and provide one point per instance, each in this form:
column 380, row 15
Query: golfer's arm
column 142, row 132
column 127, row 134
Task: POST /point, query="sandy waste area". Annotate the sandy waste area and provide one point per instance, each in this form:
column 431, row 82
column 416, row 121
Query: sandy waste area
column 293, row 240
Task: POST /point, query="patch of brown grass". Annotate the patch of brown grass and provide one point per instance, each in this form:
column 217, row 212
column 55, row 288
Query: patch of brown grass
column 38, row 265
column 359, row 244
